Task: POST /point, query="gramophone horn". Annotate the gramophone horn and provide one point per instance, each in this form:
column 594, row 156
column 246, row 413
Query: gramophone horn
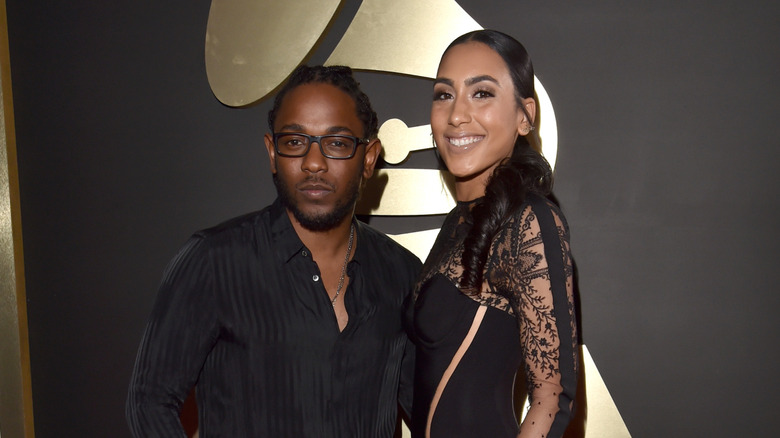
column 401, row 36
column 250, row 49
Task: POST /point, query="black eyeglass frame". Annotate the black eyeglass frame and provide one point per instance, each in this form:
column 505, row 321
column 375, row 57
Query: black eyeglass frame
column 318, row 139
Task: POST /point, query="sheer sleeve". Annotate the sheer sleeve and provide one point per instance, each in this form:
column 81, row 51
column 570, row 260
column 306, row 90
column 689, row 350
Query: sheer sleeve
column 178, row 337
column 535, row 267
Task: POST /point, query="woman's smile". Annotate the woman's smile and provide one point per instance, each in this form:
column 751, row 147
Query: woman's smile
column 466, row 142
column 475, row 116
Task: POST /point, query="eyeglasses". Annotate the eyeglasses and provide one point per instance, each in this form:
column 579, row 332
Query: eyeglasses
column 296, row 144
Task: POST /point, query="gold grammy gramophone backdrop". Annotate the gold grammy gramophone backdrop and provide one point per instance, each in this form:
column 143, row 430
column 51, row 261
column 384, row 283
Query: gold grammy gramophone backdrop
column 249, row 52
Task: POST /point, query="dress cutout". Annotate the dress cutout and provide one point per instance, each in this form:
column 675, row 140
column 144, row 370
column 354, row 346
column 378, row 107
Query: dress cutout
column 521, row 329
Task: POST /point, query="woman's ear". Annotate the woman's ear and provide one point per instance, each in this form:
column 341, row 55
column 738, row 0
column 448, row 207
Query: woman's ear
column 525, row 125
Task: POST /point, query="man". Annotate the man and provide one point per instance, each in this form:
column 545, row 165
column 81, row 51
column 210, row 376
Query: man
column 287, row 320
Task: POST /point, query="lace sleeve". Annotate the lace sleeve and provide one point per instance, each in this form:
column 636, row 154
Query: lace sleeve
column 537, row 269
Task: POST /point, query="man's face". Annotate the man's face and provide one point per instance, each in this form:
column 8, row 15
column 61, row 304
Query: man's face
column 320, row 192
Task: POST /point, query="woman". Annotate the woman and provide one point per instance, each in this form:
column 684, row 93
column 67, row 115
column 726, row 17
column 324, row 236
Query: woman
column 496, row 291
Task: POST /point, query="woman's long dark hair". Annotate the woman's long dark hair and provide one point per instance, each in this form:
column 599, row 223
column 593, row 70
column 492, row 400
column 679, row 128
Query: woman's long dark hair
column 526, row 170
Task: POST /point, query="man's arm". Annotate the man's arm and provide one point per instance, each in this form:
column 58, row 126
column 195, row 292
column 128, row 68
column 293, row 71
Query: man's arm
column 406, row 381
column 180, row 333
column 406, row 385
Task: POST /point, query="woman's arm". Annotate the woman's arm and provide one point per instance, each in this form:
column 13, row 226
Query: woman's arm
column 542, row 279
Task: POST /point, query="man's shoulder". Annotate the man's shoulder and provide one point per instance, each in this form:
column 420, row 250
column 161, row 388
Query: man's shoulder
column 248, row 222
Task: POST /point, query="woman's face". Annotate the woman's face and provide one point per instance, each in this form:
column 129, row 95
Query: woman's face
column 475, row 117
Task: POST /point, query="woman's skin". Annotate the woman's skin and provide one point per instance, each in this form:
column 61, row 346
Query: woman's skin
column 475, row 116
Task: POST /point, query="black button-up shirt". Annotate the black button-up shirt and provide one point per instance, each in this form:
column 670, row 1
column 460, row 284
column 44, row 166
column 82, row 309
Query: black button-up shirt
column 242, row 314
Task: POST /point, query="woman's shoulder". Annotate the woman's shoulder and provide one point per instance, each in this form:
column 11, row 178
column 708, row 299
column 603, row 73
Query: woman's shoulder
column 533, row 207
column 538, row 216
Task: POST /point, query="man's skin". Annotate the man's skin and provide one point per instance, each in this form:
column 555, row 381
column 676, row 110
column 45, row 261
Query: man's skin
column 320, row 187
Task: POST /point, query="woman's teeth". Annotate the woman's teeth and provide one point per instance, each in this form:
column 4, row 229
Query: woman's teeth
column 464, row 141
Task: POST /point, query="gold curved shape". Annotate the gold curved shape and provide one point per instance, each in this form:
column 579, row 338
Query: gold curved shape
column 251, row 46
column 418, row 242
column 407, row 192
column 547, row 124
column 16, row 404
column 398, row 140
column 401, row 36
column 603, row 417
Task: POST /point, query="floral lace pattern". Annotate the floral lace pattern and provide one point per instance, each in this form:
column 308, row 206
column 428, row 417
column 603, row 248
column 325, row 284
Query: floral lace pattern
column 517, row 281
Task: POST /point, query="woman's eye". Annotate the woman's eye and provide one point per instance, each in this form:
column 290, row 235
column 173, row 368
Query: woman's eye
column 482, row 94
column 441, row 95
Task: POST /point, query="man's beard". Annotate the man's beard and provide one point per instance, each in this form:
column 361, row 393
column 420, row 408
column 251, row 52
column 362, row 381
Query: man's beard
column 320, row 221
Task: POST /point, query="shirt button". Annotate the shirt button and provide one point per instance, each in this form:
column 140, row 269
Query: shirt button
column 315, row 277
column 304, row 253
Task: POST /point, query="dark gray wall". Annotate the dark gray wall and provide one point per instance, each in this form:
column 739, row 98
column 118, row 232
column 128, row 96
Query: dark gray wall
column 667, row 171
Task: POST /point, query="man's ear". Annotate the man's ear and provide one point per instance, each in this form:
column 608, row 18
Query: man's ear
column 269, row 146
column 373, row 150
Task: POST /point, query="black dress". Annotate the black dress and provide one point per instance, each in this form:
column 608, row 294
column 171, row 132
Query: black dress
column 469, row 348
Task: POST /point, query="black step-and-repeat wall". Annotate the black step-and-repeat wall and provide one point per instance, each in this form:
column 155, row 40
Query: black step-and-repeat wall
column 667, row 170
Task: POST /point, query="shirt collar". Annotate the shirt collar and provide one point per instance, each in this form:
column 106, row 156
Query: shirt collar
column 287, row 244
column 361, row 251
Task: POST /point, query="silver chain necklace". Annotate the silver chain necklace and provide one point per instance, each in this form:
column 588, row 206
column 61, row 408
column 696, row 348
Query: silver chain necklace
column 344, row 268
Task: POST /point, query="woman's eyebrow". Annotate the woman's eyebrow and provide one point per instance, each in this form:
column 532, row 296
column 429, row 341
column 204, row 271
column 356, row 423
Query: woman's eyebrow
column 476, row 79
column 469, row 82
column 444, row 81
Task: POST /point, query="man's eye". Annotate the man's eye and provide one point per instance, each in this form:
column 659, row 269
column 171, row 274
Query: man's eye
column 338, row 143
column 294, row 142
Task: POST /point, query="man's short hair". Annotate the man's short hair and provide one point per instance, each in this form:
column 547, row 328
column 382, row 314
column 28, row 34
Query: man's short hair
column 338, row 76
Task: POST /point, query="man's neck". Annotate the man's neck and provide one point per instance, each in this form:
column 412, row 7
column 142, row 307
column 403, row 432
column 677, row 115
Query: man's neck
column 327, row 243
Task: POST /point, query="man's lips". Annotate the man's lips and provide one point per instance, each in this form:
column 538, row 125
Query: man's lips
column 317, row 189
